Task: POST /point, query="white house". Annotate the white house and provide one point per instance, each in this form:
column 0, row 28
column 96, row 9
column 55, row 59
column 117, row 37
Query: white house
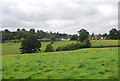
column 65, row 39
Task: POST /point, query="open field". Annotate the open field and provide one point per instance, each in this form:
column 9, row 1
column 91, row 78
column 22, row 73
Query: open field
column 90, row 63
column 105, row 42
column 11, row 48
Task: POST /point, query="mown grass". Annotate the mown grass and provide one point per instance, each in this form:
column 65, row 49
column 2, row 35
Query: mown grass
column 91, row 63
column 11, row 48
column 105, row 42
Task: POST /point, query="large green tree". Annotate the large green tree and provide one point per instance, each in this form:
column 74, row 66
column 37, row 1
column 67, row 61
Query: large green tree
column 113, row 34
column 83, row 35
column 30, row 45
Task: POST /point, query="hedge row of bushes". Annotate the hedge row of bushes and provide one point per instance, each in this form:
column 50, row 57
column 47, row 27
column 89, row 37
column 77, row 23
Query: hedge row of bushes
column 74, row 46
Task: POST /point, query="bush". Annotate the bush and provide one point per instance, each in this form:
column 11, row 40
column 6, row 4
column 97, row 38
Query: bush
column 73, row 46
column 68, row 47
column 63, row 48
column 49, row 48
column 15, row 41
column 52, row 42
column 30, row 45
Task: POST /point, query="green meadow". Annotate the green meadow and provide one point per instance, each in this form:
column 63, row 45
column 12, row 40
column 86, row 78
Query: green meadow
column 11, row 48
column 90, row 63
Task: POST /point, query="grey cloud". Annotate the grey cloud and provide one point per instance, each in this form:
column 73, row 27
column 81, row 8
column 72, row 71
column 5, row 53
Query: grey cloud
column 58, row 15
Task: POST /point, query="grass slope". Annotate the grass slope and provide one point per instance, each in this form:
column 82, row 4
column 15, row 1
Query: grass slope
column 11, row 48
column 91, row 63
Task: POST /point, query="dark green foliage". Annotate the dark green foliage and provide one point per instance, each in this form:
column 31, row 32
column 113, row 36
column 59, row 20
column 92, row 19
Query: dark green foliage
column 49, row 48
column 53, row 38
column 113, row 34
column 52, row 42
column 32, row 31
column 74, row 37
column 119, row 34
column 83, row 35
column 30, row 45
column 23, row 29
column 22, row 33
column 85, row 44
column 101, row 72
column 15, row 41
column 92, row 36
column 56, row 36
column 7, row 35
column 18, row 29
column 68, row 47
column 73, row 46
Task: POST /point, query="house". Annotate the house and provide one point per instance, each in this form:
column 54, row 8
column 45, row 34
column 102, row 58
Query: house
column 95, row 37
column 44, row 39
column 65, row 39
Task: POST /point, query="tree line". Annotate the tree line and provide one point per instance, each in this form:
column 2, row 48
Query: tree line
column 31, row 44
column 21, row 34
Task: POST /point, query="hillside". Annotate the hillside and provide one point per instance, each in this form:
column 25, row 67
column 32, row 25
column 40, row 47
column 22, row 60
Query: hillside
column 91, row 63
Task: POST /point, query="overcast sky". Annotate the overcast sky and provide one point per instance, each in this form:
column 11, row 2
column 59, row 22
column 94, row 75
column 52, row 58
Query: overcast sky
column 65, row 16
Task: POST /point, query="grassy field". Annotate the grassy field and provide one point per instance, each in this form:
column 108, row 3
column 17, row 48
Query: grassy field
column 91, row 63
column 11, row 48
column 105, row 42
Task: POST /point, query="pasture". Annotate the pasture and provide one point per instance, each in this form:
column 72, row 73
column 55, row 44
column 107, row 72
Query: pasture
column 90, row 63
column 11, row 48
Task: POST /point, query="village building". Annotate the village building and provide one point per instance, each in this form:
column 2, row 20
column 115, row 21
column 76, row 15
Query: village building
column 44, row 39
column 65, row 39
column 95, row 37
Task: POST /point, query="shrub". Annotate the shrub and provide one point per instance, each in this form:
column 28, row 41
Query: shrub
column 15, row 41
column 67, row 47
column 30, row 45
column 52, row 42
column 49, row 48
column 63, row 48
column 72, row 46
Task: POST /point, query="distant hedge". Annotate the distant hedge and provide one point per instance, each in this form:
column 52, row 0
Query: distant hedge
column 73, row 46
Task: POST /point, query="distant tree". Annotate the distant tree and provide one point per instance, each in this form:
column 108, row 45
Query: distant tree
column 118, row 34
column 30, row 45
column 87, row 43
column 74, row 37
column 83, row 35
column 51, row 32
column 6, row 31
column 18, row 29
column 100, row 35
column 38, row 31
column 92, row 36
column 105, row 36
column 23, row 29
column 32, row 31
column 49, row 48
column 7, row 35
column 113, row 34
